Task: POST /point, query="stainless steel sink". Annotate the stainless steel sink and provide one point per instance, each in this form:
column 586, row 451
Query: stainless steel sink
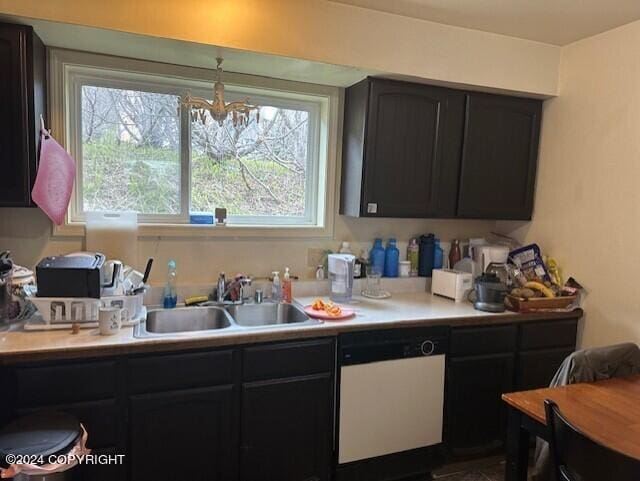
column 269, row 314
column 184, row 320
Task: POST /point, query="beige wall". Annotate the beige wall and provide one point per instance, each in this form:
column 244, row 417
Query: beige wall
column 27, row 233
column 322, row 31
column 587, row 209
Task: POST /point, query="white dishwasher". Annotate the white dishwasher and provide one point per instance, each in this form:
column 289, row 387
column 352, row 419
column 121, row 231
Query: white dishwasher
column 391, row 394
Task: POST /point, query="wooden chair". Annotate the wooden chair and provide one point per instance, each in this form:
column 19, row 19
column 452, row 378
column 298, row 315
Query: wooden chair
column 576, row 457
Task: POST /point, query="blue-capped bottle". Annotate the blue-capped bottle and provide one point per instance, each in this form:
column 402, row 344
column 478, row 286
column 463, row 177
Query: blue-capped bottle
column 438, row 256
column 391, row 259
column 170, row 295
column 376, row 257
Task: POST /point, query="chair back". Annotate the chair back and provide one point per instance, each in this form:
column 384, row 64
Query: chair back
column 576, row 457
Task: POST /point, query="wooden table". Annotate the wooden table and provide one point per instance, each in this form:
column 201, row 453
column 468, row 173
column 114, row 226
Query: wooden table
column 606, row 411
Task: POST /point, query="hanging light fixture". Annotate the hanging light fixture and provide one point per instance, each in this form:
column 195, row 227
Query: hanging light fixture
column 218, row 109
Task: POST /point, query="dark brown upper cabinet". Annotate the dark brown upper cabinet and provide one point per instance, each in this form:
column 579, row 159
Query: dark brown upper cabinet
column 499, row 157
column 23, row 100
column 413, row 150
column 401, row 150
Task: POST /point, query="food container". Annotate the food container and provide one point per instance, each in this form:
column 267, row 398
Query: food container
column 519, row 304
column 405, row 268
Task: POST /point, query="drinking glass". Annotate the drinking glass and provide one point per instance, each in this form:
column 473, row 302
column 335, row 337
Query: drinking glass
column 373, row 287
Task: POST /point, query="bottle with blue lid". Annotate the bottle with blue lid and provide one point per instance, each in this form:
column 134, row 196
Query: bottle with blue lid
column 438, row 255
column 376, row 257
column 391, row 259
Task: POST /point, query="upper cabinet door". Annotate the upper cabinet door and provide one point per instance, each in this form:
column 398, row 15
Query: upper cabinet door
column 499, row 157
column 22, row 96
column 401, row 154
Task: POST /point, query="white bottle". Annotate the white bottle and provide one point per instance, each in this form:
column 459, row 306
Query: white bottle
column 276, row 287
column 346, row 248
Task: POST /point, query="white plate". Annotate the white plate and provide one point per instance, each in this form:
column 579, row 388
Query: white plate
column 380, row 295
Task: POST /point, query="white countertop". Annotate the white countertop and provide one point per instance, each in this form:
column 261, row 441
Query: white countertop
column 400, row 310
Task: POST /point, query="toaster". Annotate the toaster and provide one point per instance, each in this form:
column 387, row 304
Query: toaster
column 451, row 283
column 70, row 276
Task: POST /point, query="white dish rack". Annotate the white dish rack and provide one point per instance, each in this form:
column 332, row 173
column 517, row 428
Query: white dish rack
column 82, row 310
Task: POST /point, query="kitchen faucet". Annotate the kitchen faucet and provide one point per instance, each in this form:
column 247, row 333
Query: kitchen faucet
column 224, row 287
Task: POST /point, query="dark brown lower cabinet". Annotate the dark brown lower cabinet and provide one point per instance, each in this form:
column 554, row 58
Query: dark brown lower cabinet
column 287, row 429
column 475, row 413
column 537, row 368
column 187, row 434
column 111, row 471
column 106, row 437
column 487, row 361
column 266, row 412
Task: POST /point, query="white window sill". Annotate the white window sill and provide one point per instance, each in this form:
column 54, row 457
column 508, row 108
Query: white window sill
column 205, row 231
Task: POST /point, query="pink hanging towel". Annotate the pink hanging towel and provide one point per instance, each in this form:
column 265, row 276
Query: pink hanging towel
column 54, row 181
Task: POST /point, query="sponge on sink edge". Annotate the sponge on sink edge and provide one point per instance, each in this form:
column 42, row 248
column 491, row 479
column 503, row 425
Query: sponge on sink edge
column 193, row 300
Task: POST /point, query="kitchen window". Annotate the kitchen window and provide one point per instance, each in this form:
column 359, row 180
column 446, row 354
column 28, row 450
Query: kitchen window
column 136, row 150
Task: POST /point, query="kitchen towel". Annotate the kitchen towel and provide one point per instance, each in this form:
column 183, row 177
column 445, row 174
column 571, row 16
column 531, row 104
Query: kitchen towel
column 54, row 181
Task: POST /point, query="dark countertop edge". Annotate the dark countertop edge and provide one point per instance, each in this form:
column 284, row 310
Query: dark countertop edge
column 179, row 345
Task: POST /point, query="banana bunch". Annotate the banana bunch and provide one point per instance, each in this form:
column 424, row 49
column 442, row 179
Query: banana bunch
column 554, row 271
column 539, row 286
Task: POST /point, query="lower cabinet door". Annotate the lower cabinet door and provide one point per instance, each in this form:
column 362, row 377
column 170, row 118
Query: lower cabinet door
column 187, row 434
column 107, row 466
column 475, row 412
column 537, row 368
column 287, row 429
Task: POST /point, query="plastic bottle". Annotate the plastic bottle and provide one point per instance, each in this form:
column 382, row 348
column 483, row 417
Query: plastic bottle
column 413, row 251
column 391, row 259
column 287, row 291
column 454, row 256
column 376, row 257
column 357, row 268
column 426, row 256
column 276, row 287
column 438, row 257
column 345, row 248
column 170, row 295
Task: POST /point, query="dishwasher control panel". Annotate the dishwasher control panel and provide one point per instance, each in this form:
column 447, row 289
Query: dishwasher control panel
column 374, row 346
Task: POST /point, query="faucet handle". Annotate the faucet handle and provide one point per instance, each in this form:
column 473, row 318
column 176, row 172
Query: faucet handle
column 258, row 296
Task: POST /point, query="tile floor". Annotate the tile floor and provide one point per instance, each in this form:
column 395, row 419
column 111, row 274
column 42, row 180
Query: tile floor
column 491, row 470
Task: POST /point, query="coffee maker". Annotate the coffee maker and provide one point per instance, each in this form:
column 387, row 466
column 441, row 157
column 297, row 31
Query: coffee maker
column 341, row 276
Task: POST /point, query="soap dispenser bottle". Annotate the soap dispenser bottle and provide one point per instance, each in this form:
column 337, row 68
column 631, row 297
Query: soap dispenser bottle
column 170, row 294
column 276, row 287
column 287, row 291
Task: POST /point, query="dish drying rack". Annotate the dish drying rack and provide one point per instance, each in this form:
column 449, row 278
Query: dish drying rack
column 63, row 312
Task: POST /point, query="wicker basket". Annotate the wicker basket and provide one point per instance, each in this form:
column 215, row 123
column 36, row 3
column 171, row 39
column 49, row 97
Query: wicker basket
column 519, row 304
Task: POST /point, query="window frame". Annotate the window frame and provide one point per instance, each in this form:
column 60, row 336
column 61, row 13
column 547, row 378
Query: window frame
column 70, row 70
column 81, row 78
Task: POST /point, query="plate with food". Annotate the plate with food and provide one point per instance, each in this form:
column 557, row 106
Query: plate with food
column 328, row 311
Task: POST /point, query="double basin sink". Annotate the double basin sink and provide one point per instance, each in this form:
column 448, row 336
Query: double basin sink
column 206, row 319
